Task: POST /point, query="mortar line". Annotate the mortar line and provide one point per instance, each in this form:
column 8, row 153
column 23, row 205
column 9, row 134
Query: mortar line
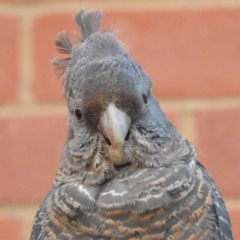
column 21, row 208
column 192, row 104
column 182, row 105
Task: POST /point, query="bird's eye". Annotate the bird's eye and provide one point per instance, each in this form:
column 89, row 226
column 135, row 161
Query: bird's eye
column 145, row 100
column 78, row 114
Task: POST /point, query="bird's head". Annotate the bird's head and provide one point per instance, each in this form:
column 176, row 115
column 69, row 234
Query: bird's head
column 112, row 111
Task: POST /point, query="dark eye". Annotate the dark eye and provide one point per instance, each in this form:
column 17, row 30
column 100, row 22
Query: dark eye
column 78, row 114
column 145, row 100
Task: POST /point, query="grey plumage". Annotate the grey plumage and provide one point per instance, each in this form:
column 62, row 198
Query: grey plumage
column 125, row 173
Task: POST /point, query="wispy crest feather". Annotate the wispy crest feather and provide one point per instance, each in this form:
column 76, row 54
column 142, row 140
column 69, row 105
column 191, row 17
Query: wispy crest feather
column 60, row 65
column 89, row 23
column 63, row 43
column 64, row 46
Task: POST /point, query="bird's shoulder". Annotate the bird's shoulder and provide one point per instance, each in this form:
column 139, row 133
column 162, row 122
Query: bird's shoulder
column 64, row 206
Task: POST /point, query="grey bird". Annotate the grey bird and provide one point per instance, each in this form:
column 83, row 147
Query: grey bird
column 125, row 172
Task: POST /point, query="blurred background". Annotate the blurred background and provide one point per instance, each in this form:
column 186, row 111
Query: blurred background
column 190, row 49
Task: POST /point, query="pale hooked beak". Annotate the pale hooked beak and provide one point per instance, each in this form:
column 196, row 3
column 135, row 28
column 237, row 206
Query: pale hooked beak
column 114, row 125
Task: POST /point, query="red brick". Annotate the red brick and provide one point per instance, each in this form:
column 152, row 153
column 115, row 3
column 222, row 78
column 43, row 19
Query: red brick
column 31, row 146
column 186, row 52
column 218, row 135
column 9, row 48
column 47, row 1
column 234, row 213
column 31, row 2
column 23, row 1
column 189, row 53
column 10, row 228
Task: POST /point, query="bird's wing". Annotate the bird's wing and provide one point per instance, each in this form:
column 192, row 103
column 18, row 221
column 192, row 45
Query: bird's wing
column 167, row 202
column 63, row 211
column 224, row 228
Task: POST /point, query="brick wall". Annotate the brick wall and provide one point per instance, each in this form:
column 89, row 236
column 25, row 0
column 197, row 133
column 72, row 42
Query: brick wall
column 191, row 50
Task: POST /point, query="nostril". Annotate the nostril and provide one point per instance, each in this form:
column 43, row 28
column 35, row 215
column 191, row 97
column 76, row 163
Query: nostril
column 107, row 141
column 127, row 136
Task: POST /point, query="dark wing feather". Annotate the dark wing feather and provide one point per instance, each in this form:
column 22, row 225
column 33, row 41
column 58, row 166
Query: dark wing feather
column 41, row 219
column 224, row 230
column 65, row 210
